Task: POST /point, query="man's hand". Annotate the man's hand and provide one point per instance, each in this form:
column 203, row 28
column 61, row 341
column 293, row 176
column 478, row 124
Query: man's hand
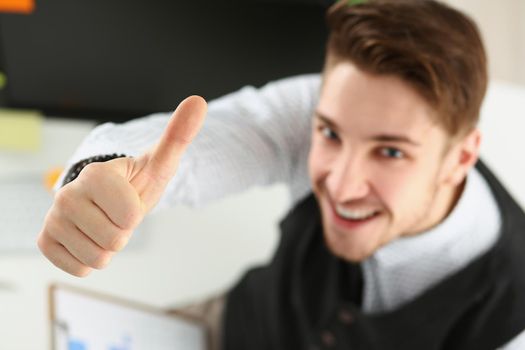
column 94, row 216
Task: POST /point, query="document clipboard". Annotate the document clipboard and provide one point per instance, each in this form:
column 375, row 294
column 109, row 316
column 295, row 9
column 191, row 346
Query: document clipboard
column 86, row 320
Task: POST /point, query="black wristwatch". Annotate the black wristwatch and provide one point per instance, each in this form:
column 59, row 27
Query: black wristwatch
column 75, row 170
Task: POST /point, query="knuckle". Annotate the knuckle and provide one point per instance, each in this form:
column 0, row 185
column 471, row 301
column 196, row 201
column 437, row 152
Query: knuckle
column 127, row 215
column 91, row 171
column 118, row 242
column 132, row 218
column 81, row 271
column 54, row 228
column 65, row 204
column 43, row 243
column 62, row 198
column 100, row 260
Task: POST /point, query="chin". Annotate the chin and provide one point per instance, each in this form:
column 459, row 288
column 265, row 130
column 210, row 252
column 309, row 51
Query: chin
column 346, row 250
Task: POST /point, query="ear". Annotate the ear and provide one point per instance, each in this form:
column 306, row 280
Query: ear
column 462, row 156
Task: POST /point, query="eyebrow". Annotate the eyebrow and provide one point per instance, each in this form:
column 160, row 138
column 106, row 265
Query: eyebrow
column 326, row 120
column 395, row 138
column 381, row 137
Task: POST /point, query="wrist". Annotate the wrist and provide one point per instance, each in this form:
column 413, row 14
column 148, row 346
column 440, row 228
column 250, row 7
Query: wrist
column 75, row 170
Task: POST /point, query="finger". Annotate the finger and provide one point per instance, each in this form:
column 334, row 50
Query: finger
column 180, row 131
column 78, row 244
column 94, row 223
column 109, row 191
column 61, row 257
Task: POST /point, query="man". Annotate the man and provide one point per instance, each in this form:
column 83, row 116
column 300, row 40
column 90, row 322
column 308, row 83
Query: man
column 404, row 244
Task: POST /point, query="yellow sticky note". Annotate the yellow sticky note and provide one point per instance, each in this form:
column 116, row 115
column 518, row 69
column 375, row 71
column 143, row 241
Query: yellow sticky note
column 20, row 130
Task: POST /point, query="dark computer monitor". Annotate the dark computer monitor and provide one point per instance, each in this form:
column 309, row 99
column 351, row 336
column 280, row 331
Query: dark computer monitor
column 119, row 59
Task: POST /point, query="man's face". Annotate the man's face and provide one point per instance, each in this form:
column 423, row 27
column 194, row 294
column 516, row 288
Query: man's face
column 377, row 162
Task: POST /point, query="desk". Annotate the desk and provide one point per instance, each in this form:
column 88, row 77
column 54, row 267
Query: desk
column 170, row 265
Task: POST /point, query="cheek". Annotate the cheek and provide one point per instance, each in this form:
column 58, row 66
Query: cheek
column 388, row 187
column 399, row 188
column 448, row 173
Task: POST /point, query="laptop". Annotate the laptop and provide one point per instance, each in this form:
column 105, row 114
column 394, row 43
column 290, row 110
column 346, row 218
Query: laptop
column 85, row 320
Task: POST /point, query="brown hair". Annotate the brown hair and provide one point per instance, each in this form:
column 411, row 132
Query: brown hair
column 436, row 49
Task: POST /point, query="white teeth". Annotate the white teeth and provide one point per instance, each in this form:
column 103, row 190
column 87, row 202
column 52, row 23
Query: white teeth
column 354, row 214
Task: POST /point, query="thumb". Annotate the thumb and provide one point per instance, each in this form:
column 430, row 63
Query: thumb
column 160, row 164
column 184, row 124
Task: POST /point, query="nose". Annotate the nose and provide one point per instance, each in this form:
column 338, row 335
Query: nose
column 347, row 179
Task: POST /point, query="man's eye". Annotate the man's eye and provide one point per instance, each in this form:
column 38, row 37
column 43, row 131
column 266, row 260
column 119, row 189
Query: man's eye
column 328, row 133
column 390, row 152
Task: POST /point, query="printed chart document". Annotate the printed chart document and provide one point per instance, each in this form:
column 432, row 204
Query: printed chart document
column 83, row 320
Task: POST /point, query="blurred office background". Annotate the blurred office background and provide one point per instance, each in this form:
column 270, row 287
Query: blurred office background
column 502, row 24
column 51, row 57
column 123, row 59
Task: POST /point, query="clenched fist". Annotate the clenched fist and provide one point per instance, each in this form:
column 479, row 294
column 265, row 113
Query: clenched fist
column 94, row 216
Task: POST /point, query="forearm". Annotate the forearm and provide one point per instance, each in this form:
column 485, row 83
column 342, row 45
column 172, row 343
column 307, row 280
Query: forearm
column 131, row 139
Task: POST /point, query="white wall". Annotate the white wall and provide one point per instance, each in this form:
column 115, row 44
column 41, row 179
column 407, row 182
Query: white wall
column 502, row 24
column 521, row 45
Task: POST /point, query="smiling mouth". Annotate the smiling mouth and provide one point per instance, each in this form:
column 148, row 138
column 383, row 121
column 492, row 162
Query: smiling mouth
column 355, row 215
column 352, row 219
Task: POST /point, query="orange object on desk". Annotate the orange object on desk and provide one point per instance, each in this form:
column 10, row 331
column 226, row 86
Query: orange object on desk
column 51, row 177
column 17, row 6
